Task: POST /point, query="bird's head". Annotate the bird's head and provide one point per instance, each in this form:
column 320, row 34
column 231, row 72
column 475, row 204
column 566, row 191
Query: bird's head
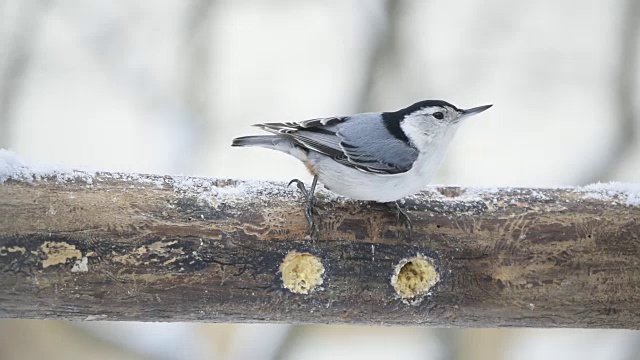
column 432, row 119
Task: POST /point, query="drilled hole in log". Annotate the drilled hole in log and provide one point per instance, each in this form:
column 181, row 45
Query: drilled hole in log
column 301, row 272
column 413, row 277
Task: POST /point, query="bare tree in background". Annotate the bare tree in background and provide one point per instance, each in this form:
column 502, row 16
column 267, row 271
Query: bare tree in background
column 186, row 115
column 16, row 59
column 626, row 128
column 196, row 78
column 383, row 50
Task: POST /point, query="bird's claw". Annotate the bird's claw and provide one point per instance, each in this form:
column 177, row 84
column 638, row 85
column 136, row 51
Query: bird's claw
column 300, row 186
column 403, row 217
column 309, row 209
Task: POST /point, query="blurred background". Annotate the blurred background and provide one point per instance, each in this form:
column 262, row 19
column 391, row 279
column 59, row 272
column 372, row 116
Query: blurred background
column 163, row 87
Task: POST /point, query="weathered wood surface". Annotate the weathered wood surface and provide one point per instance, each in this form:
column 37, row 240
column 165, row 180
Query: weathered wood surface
column 150, row 248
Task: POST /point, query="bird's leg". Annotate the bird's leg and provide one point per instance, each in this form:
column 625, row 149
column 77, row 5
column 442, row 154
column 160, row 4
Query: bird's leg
column 402, row 216
column 309, row 210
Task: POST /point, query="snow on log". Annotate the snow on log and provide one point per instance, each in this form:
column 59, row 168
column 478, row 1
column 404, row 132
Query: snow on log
column 109, row 246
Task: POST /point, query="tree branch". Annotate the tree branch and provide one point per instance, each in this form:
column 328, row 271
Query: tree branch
column 106, row 246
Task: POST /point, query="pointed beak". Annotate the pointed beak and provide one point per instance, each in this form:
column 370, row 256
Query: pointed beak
column 473, row 111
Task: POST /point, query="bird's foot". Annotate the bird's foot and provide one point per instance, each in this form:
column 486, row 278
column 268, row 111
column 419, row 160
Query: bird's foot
column 300, row 186
column 309, row 209
column 403, row 217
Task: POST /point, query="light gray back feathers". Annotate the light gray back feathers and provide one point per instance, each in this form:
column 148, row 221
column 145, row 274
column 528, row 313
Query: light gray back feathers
column 360, row 141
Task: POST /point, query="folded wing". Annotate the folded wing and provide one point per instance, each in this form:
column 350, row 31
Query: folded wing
column 360, row 141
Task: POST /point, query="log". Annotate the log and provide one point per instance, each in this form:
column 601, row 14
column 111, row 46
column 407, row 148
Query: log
column 108, row 246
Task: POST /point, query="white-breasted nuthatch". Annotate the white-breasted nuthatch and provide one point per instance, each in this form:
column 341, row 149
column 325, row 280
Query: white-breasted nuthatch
column 380, row 157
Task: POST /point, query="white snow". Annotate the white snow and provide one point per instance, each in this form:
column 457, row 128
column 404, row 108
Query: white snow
column 13, row 167
column 628, row 192
column 208, row 190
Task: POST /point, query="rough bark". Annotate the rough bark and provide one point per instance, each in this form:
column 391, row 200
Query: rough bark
column 150, row 248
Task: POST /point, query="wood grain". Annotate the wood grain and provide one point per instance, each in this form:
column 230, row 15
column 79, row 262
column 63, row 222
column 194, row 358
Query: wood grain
column 151, row 248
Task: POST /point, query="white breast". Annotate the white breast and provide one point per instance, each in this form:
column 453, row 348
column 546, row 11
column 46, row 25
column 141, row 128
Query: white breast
column 360, row 185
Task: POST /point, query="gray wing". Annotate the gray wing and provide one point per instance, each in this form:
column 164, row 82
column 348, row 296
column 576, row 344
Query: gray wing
column 360, row 141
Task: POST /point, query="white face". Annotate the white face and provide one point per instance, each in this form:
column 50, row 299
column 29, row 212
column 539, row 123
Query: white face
column 430, row 124
column 436, row 124
column 435, row 117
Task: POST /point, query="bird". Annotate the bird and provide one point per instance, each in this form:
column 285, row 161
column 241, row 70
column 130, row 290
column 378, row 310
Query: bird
column 375, row 156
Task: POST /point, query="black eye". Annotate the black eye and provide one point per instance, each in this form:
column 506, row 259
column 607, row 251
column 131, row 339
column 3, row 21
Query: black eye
column 438, row 115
